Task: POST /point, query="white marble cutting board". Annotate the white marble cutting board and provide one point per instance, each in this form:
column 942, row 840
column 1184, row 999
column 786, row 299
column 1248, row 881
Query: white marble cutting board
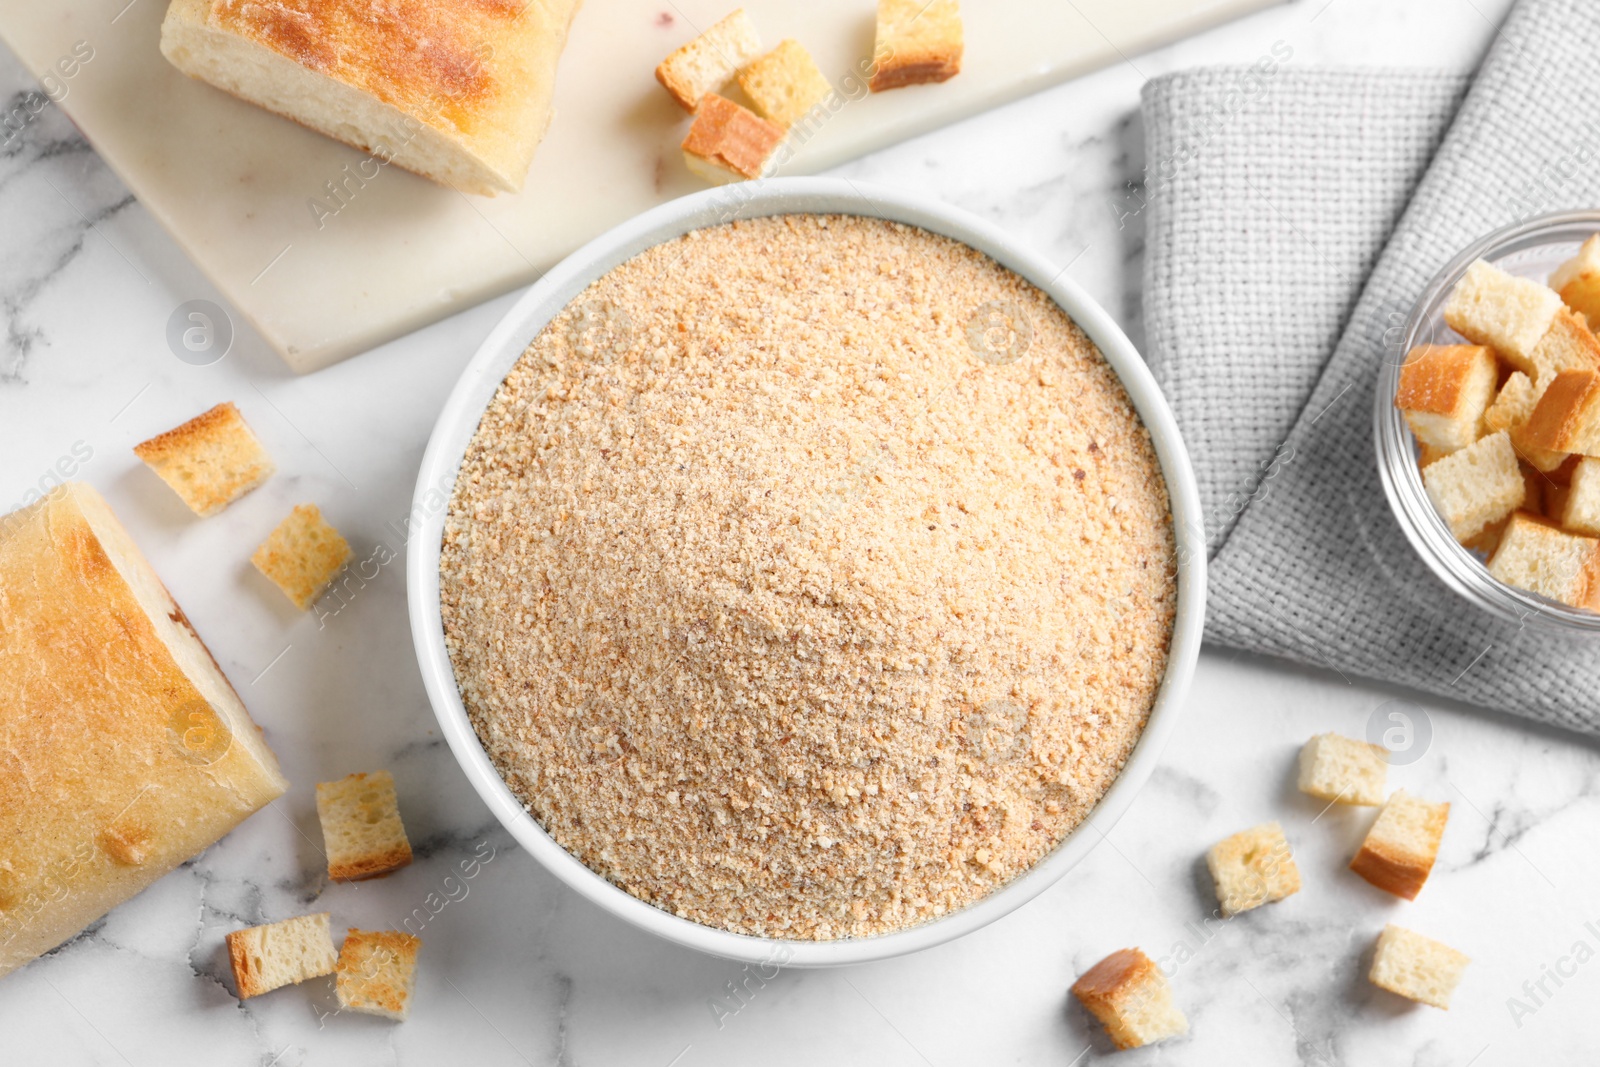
column 234, row 184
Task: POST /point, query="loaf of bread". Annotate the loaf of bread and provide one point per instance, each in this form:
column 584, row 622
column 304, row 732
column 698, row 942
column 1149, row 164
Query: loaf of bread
column 136, row 751
column 457, row 92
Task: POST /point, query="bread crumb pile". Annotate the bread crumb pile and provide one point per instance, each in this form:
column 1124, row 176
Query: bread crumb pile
column 809, row 577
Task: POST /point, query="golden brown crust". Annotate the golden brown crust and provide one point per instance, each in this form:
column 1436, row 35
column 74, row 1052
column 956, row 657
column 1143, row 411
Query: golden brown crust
column 731, row 136
column 374, row 865
column 1434, row 377
column 245, row 977
column 1564, row 411
column 180, row 439
column 375, row 971
column 209, row 461
column 1395, row 867
column 1102, row 983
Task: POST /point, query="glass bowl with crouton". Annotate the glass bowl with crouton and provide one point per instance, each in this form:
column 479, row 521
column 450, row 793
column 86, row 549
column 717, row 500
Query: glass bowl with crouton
column 1488, row 429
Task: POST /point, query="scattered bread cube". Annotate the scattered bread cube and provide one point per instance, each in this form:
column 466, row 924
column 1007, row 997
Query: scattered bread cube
column 1344, row 770
column 1579, row 505
column 918, row 41
column 1507, row 313
column 269, row 957
column 785, row 84
column 210, row 461
column 1512, row 405
column 1567, row 345
column 302, row 555
column 1416, row 967
column 1578, row 281
column 1444, row 391
column 1399, row 850
column 1567, row 417
column 1476, row 486
column 729, row 143
column 1543, row 559
column 708, row 62
column 377, row 972
column 1130, row 996
column 1252, row 868
column 361, row 827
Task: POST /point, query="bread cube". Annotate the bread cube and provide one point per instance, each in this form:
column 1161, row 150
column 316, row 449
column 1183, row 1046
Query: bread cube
column 1507, row 313
column 1399, row 850
column 784, row 84
column 1130, row 996
column 1551, row 562
column 302, row 555
column 1487, row 539
column 1579, row 509
column 377, row 972
column 1567, row 345
column 1252, row 868
column 1344, row 770
column 918, row 41
column 729, row 143
column 1416, row 967
column 361, row 827
column 708, row 62
column 1476, row 486
column 1512, row 405
column 1444, row 391
column 1567, row 417
column 210, row 461
column 1578, row 281
column 269, row 957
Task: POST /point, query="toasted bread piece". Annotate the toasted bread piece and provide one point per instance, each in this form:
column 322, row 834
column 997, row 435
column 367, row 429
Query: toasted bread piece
column 1567, row 417
column 1512, row 405
column 1344, row 770
column 785, row 84
column 377, row 972
column 1578, row 281
column 1578, row 509
column 1444, row 391
column 1130, row 996
column 1543, row 559
column 361, row 827
column 1488, row 539
column 706, row 63
column 1476, row 486
column 1398, row 853
column 270, row 957
column 210, row 461
column 1416, row 967
column 729, row 143
column 1427, row 454
column 459, row 93
column 302, row 555
column 918, row 41
column 1509, row 314
column 1567, row 345
column 1252, row 868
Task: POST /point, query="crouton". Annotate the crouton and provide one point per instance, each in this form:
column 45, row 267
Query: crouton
column 1398, row 853
column 1512, row 405
column 1543, row 559
column 1444, row 391
column 302, row 555
column 1567, row 345
column 918, row 41
column 1344, row 770
column 1567, row 417
column 1252, row 868
column 1416, row 967
column 361, row 827
column 377, row 972
column 269, row 957
column 785, row 84
column 210, row 461
column 1578, row 281
column 1509, row 314
column 729, row 143
column 1476, row 486
column 1579, row 509
column 708, row 62
column 1130, row 996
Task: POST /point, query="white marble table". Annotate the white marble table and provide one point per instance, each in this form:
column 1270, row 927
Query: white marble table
column 519, row 970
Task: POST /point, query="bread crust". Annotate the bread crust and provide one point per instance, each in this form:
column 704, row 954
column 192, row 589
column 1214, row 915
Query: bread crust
column 734, row 137
column 1400, row 866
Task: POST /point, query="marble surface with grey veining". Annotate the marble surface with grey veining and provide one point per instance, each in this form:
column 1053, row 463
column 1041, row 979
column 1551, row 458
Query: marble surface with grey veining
column 518, row 970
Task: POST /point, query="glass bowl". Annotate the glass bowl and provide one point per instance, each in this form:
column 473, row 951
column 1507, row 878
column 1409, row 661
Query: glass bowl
column 1531, row 249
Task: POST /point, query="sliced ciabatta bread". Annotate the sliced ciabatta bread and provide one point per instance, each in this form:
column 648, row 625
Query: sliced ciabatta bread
column 269, row 957
column 210, row 461
column 918, row 41
column 1476, row 486
column 377, row 972
column 1578, row 281
column 708, row 62
column 1541, row 558
column 1130, row 996
column 1416, row 967
column 1444, row 391
column 1507, row 313
column 1343, row 770
column 1398, row 853
column 361, row 827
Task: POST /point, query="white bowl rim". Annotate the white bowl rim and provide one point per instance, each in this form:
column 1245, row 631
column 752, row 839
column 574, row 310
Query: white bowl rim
column 463, row 409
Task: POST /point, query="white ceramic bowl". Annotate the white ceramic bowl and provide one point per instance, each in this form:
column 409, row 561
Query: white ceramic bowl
column 459, row 421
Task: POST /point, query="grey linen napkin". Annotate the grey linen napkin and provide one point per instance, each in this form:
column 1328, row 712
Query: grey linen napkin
column 1294, row 217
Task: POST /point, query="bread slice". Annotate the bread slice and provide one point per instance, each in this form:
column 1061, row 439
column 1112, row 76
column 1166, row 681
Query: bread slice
column 1476, row 486
column 1539, row 557
column 270, row 957
column 1578, row 281
column 459, row 93
column 377, row 972
column 918, row 41
column 1398, row 853
column 1416, row 967
column 124, row 751
column 1252, row 868
column 708, row 62
column 1567, row 417
column 1444, row 391
column 361, row 827
column 1567, row 345
column 1507, row 313
column 302, row 555
column 729, row 143
column 1344, row 770
column 1130, row 996
column 210, row 461
column 1512, row 405
column 1579, row 510
column 785, row 84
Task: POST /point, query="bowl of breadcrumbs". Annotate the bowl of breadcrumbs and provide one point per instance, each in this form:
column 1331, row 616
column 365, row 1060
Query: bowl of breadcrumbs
column 800, row 566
